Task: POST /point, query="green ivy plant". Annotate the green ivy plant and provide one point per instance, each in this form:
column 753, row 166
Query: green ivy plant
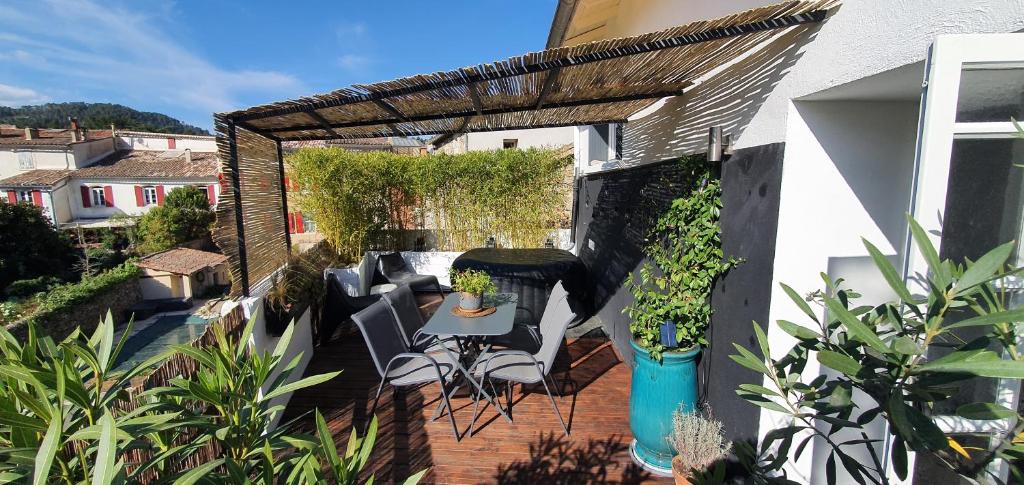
column 685, row 258
column 906, row 357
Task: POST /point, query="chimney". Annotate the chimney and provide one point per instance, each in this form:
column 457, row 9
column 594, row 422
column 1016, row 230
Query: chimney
column 74, row 128
column 31, row 133
column 188, row 155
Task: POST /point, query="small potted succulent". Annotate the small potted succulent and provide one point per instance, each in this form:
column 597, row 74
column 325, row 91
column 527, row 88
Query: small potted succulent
column 699, row 444
column 472, row 285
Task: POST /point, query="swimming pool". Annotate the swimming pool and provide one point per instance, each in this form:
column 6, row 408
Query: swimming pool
column 156, row 337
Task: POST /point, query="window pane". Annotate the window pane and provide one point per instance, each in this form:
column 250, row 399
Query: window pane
column 990, row 95
column 983, row 209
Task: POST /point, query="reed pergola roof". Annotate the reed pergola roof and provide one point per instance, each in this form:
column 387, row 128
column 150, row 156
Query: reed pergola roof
column 587, row 84
column 594, row 83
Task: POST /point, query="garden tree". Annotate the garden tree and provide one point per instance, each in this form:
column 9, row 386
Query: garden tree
column 184, row 216
column 30, row 246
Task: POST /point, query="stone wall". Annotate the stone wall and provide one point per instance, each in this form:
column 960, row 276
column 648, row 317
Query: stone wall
column 119, row 300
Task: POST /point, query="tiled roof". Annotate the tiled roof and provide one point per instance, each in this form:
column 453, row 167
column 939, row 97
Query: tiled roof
column 181, row 260
column 35, row 178
column 152, row 164
column 46, row 137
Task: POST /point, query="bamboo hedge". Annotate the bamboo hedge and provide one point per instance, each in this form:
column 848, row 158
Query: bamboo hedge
column 367, row 200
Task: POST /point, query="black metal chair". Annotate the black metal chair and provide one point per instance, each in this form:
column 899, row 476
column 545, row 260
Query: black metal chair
column 339, row 307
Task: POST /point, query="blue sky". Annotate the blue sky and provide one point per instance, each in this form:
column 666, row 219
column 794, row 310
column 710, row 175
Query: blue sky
column 190, row 58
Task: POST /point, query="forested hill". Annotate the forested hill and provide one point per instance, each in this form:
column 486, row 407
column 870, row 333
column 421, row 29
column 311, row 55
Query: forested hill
column 96, row 116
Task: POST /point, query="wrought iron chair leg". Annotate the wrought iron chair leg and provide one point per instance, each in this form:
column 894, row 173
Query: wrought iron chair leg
column 451, row 413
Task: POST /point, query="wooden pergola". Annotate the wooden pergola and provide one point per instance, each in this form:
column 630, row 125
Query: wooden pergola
column 594, row 83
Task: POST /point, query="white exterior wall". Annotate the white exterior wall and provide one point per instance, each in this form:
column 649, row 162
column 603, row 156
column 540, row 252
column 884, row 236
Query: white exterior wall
column 535, row 138
column 158, row 141
column 848, row 163
column 50, row 159
column 88, row 152
column 124, row 196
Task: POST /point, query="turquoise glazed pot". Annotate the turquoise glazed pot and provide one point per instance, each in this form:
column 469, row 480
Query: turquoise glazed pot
column 658, row 390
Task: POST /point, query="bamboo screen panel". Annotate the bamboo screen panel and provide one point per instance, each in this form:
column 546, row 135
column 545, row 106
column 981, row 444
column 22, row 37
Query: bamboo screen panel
column 261, row 248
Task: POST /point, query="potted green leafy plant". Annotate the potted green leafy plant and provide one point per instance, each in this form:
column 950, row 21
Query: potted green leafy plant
column 670, row 313
column 472, row 285
column 294, row 289
column 699, row 444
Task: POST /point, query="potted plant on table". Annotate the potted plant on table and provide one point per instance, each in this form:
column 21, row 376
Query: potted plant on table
column 670, row 313
column 699, row 444
column 472, row 285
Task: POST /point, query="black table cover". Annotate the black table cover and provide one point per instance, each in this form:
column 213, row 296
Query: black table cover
column 530, row 273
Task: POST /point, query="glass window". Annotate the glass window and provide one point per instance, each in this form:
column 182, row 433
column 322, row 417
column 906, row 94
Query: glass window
column 98, row 198
column 511, row 143
column 990, row 95
column 149, row 195
column 25, row 161
column 25, row 196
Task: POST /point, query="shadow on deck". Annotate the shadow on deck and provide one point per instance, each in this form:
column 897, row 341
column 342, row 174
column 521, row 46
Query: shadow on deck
column 532, row 450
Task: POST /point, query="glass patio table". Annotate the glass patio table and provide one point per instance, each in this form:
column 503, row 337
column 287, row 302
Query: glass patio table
column 470, row 332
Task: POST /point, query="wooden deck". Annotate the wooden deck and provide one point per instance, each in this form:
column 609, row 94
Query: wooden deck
column 532, row 450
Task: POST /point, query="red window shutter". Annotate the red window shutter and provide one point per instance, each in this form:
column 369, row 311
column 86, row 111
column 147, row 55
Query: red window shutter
column 212, row 194
column 12, row 197
column 299, row 229
column 139, row 201
column 172, row 143
column 108, row 194
column 86, row 197
column 291, row 223
column 37, row 198
column 159, row 195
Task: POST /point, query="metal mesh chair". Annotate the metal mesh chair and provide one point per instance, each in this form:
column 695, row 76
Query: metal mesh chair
column 395, row 363
column 523, row 367
column 406, row 310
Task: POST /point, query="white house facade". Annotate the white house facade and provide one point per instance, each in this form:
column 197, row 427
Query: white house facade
column 83, row 178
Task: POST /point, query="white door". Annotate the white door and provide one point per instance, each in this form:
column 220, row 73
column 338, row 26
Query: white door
column 968, row 192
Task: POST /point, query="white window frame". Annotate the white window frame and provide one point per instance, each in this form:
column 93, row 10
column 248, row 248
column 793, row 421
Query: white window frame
column 949, row 56
column 99, row 199
column 149, row 195
column 25, row 196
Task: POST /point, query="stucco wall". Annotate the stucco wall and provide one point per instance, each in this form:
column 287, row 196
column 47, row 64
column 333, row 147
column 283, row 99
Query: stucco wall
column 864, row 37
column 137, row 141
column 536, row 138
column 124, row 196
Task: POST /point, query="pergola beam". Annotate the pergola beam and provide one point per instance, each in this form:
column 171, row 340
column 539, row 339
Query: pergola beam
column 384, row 105
column 512, row 69
column 474, row 94
column 546, row 88
column 319, row 119
column 492, row 111
column 457, row 132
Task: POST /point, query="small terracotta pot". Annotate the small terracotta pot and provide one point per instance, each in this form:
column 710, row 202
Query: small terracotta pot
column 682, row 477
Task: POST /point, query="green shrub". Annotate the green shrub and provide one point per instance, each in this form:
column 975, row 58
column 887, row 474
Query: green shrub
column 185, row 216
column 29, row 287
column 65, row 298
column 31, row 246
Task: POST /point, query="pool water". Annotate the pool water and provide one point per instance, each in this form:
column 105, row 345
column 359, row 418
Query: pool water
column 156, row 337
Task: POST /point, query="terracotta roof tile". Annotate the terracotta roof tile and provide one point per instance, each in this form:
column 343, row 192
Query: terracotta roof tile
column 35, row 178
column 46, row 137
column 152, row 164
column 181, row 260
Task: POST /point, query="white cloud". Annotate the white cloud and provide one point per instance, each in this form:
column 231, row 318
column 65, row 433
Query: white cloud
column 122, row 52
column 16, row 96
column 353, row 62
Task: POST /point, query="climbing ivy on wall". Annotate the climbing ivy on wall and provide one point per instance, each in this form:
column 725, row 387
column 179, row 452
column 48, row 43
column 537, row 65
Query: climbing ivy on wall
column 364, row 200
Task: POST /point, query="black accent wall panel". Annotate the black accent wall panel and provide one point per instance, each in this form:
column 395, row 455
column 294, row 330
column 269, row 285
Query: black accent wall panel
column 615, row 211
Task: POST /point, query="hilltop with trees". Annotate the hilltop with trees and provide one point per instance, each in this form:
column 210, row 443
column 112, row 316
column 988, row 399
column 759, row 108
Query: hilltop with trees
column 95, row 116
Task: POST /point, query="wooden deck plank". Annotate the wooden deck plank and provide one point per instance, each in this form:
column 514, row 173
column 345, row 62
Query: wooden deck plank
column 532, row 450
